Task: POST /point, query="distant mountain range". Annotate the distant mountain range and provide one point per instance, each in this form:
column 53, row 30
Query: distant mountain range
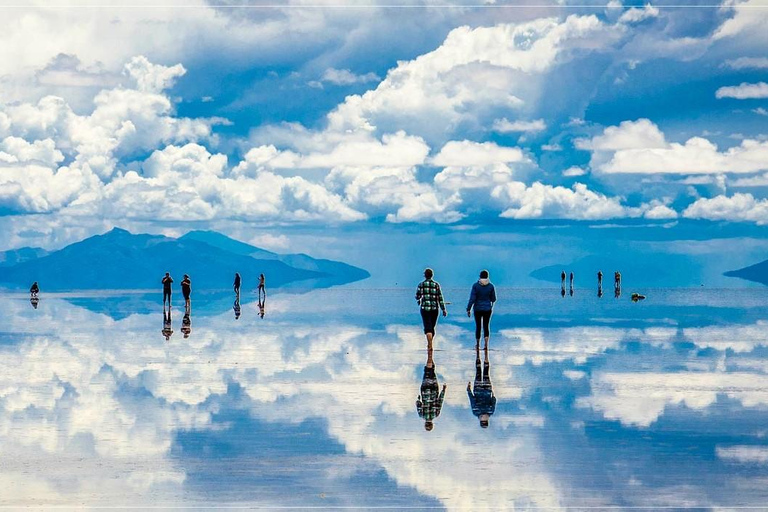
column 757, row 273
column 121, row 260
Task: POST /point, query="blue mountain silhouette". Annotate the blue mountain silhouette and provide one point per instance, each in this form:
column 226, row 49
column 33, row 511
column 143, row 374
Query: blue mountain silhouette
column 121, row 260
column 757, row 273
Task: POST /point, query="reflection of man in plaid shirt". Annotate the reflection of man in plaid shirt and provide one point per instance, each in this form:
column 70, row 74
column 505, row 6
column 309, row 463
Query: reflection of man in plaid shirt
column 430, row 298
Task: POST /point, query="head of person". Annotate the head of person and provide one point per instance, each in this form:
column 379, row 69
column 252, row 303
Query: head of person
column 186, row 276
column 428, row 426
column 167, row 274
column 428, row 273
column 484, row 274
column 484, row 419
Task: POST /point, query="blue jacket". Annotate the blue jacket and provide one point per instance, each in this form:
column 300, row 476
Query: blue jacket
column 483, row 296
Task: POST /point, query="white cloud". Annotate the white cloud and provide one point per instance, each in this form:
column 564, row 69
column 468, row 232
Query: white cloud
column 545, row 201
column 636, row 15
column 658, row 211
column 738, row 208
column 748, row 63
column 18, row 150
column 760, row 111
column 574, row 171
column 503, row 125
column 639, row 147
column 743, row 454
column 346, row 77
column 744, row 91
column 468, row 153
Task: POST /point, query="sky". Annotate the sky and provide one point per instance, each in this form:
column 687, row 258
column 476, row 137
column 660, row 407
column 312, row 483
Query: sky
column 267, row 118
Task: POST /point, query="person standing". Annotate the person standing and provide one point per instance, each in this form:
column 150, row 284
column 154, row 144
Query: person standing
column 236, row 285
column 34, row 289
column 482, row 298
column 429, row 296
column 482, row 401
column 571, row 283
column 262, row 287
column 599, row 278
column 562, row 282
column 186, row 289
column 167, row 282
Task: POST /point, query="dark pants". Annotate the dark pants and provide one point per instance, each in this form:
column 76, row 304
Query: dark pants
column 482, row 373
column 485, row 318
column 167, row 296
column 429, row 319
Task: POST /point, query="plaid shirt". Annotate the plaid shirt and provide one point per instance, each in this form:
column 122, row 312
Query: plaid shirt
column 429, row 404
column 429, row 295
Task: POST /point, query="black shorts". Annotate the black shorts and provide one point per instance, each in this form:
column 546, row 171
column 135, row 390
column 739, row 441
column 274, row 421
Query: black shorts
column 429, row 319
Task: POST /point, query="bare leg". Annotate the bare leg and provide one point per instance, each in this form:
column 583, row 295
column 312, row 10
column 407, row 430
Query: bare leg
column 430, row 336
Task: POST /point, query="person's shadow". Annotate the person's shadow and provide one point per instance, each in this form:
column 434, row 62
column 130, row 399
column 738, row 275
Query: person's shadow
column 167, row 323
column 430, row 401
column 482, row 400
column 236, row 307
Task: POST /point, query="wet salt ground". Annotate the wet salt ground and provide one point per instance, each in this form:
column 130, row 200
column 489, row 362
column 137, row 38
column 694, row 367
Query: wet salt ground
column 600, row 402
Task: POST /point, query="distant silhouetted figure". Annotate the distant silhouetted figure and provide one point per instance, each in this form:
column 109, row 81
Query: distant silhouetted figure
column 636, row 297
column 482, row 298
column 34, row 300
column 167, row 323
column 34, row 289
column 186, row 321
column 617, row 284
column 571, row 283
column 430, row 402
column 262, row 287
column 186, row 289
column 599, row 283
column 562, row 281
column 167, row 282
column 236, row 308
column 236, row 284
column 482, row 401
column 429, row 296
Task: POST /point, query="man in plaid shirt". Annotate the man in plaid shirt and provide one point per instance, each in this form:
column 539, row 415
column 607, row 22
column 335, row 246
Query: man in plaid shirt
column 430, row 297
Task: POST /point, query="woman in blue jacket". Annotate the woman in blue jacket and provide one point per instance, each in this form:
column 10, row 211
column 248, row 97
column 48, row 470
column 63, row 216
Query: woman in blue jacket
column 482, row 298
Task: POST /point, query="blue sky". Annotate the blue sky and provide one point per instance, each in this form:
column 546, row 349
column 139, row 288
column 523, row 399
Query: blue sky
column 304, row 116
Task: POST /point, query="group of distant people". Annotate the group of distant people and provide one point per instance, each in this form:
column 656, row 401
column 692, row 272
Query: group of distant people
column 616, row 284
column 186, row 291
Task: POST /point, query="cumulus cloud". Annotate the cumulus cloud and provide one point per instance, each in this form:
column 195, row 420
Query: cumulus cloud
column 546, row 201
column 744, row 91
column 739, row 208
column 346, row 77
column 574, row 171
column 636, row 15
column 639, row 147
column 503, row 125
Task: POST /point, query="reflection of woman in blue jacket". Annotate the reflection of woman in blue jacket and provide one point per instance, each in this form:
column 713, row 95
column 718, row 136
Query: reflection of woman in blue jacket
column 482, row 297
column 482, row 401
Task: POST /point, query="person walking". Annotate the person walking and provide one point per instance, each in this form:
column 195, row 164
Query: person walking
column 482, row 297
column 167, row 282
column 429, row 296
column 186, row 289
column 236, row 285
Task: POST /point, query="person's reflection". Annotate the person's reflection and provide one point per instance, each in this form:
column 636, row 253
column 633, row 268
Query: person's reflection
column 34, row 300
column 262, row 307
column 430, row 401
column 482, row 401
column 186, row 321
column 236, row 308
column 167, row 323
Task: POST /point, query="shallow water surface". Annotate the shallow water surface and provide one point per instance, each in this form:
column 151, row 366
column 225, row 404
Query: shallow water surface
column 599, row 401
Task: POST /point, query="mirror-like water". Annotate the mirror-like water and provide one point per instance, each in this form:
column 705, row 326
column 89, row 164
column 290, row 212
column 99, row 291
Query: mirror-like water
column 596, row 401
